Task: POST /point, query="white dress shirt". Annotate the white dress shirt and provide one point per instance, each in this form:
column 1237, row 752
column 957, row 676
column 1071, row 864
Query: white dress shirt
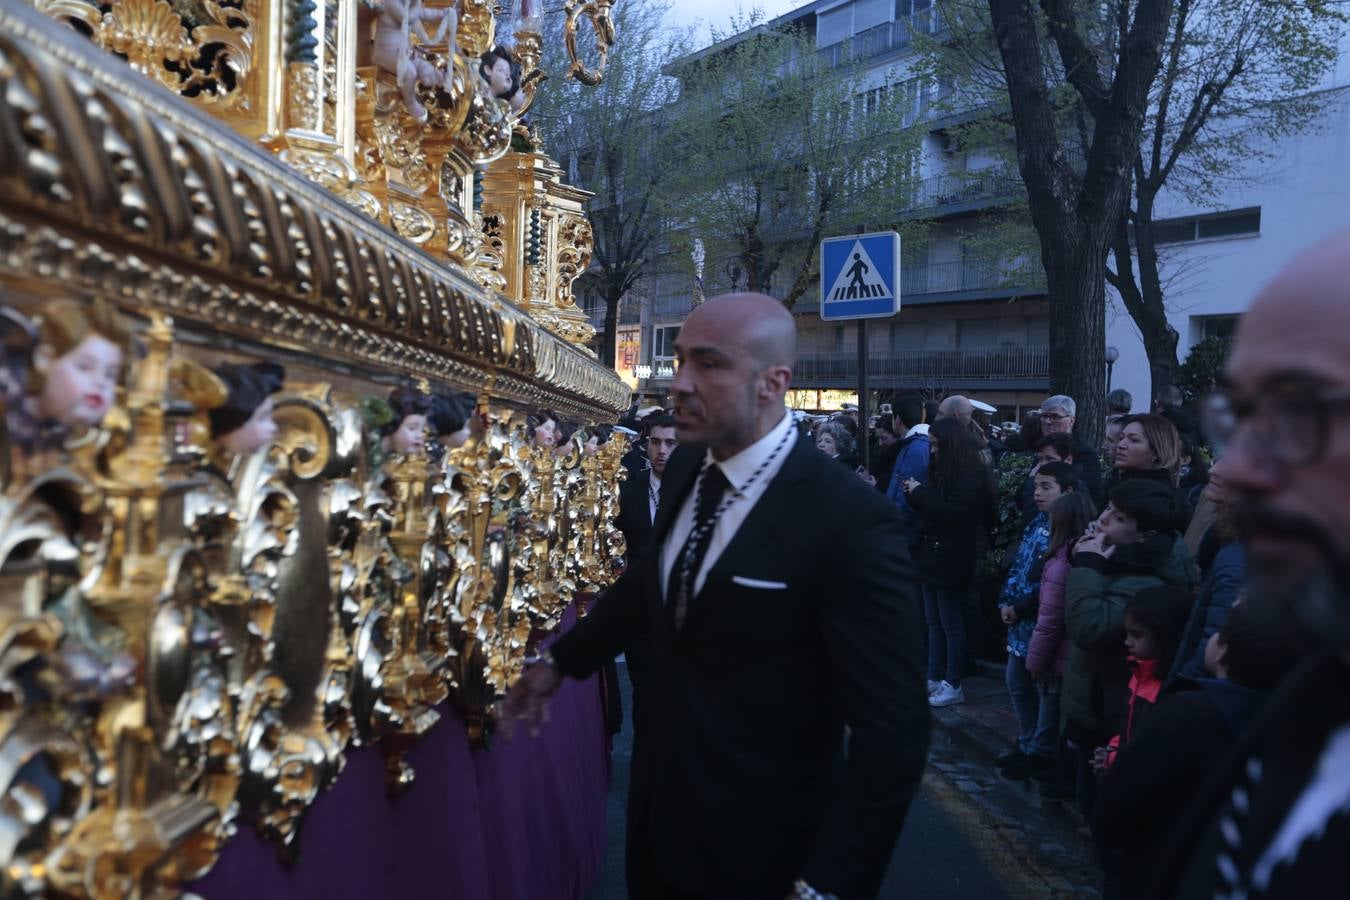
column 737, row 470
column 653, row 493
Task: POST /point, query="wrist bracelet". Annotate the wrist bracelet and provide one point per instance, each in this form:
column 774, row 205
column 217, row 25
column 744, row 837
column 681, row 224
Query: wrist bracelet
column 544, row 657
column 804, row 891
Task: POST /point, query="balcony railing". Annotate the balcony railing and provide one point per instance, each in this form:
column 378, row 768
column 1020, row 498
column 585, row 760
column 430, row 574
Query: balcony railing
column 668, row 309
column 925, row 366
column 968, row 275
column 629, row 314
column 957, row 188
column 881, row 38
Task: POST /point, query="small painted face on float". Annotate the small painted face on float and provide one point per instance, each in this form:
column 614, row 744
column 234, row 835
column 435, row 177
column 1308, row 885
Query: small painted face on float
column 410, row 438
column 256, row 433
column 499, row 77
column 80, row 385
column 546, row 433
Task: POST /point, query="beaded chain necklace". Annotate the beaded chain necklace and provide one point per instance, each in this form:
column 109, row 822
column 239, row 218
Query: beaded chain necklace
column 701, row 530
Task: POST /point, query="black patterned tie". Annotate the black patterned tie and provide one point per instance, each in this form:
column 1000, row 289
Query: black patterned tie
column 684, row 573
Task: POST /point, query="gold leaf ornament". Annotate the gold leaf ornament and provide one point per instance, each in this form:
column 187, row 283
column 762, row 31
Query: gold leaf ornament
column 149, row 33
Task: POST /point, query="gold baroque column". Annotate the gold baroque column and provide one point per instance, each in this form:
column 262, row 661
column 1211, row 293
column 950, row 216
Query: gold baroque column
column 547, row 237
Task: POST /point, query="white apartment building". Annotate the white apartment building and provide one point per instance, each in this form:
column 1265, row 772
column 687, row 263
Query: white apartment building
column 963, row 327
column 1217, row 259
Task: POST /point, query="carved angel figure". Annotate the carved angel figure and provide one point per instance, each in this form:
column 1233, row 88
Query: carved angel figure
column 398, row 23
column 244, row 423
column 67, row 382
column 500, row 70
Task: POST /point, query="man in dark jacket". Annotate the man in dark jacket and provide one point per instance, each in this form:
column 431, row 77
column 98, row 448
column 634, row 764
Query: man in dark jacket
column 1218, row 592
column 1274, row 822
column 638, row 501
column 911, row 460
column 784, row 616
column 1058, row 417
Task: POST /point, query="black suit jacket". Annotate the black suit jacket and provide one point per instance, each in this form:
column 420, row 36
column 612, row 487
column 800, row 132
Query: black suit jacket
column 635, row 521
column 738, row 784
column 635, row 517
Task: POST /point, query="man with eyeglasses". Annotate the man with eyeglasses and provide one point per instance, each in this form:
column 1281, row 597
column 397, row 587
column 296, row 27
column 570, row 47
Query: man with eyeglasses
column 1058, row 417
column 1276, row 820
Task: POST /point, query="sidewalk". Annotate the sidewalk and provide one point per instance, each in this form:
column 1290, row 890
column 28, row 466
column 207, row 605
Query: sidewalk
column 966, row 740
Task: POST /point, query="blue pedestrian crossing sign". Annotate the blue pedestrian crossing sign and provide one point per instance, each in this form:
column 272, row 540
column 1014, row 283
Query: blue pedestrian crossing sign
column 860, row 276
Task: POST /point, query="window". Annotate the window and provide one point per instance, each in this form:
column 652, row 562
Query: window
column 869, row 14
column 663, row 349
column 1233, row 223
column 923, row 13
column 1218, row 326
column 1038, row 332
column 909, row 335
column 834, row 26
column 977, row 333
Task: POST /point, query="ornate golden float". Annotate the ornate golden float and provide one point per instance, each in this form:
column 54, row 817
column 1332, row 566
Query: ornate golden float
column 195, row 627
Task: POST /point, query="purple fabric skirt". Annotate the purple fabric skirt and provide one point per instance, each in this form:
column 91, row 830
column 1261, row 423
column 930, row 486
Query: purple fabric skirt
column 521, row 820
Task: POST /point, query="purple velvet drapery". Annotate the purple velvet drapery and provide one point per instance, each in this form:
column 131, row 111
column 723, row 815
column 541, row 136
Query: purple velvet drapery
column 522, row 820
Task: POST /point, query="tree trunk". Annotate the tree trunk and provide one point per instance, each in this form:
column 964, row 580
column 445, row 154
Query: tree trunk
column 610, row 338
column 1144, row 298
column 1077, row 289
column 1160, row 338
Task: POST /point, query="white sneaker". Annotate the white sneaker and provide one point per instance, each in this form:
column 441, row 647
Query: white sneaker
column 946, row 695
column 933, row 686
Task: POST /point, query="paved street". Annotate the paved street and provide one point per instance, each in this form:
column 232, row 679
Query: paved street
column 968, row 834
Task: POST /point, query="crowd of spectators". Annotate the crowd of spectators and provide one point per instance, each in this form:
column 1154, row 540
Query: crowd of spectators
column 1171, row 600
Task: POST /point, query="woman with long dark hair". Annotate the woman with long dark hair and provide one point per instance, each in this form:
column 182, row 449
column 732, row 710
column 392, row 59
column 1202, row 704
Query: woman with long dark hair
column 949, row 508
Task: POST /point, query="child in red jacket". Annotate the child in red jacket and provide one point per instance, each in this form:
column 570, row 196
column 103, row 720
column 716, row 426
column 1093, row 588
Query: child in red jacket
column 1154, row 621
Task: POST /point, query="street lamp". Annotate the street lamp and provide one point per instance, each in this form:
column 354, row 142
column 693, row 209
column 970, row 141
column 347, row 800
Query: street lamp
column 1112, row 354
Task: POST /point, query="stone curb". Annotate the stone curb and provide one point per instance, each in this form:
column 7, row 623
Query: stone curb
column 982, row 744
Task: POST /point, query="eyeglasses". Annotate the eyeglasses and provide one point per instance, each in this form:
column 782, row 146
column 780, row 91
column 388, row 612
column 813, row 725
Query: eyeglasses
column 1290, row 421
column 1053, row 417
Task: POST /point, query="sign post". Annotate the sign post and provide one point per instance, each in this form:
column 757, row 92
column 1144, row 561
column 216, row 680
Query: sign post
column 860, row 280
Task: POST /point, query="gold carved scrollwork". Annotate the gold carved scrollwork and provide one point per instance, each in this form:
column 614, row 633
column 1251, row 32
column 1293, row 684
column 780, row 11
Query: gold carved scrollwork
column 296, row 601
column 597, row 13
column 200, row 49
column 191, row 640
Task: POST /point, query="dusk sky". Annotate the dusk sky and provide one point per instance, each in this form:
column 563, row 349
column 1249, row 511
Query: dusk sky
column 708, row 14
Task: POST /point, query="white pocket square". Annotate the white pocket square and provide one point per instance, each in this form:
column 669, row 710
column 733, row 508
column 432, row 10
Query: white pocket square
column 756, row 583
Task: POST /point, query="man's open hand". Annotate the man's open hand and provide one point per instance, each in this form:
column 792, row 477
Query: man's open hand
column 527, row 700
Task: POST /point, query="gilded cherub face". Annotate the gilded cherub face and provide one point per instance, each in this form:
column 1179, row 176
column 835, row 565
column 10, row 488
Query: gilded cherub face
column 254, row 434
column 80, row 385
column 499, row 77
column 410, row 438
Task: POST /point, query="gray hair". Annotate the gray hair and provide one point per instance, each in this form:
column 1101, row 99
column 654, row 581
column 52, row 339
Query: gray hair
column 1060, row 402
column 1119, row 402
column 844, row 442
